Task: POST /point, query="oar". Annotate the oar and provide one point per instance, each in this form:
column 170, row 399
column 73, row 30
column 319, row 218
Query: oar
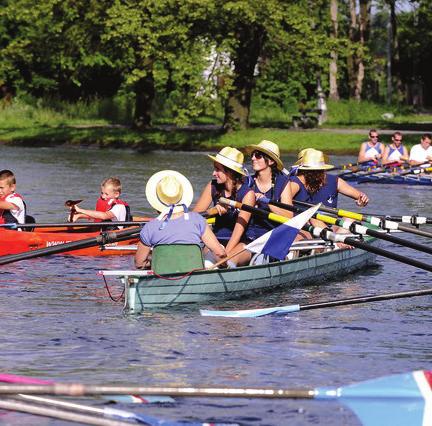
column 401, row 399
column 113, row 412
column 327, row 235
column 373, row 220
column 102, row 239
column 349, row 165
column 357, row 228
column 73, row 225
column 282, row 310
column 148, row 399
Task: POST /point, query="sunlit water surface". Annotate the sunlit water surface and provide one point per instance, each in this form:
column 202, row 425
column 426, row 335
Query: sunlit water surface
column 58, row 322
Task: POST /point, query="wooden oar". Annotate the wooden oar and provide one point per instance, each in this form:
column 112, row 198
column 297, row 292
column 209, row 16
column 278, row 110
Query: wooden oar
column 401, row 399
column 102, row 239
column 349, row 165
column 357, row 228
column 282, row 310
column 327, row 235
column 373, row 220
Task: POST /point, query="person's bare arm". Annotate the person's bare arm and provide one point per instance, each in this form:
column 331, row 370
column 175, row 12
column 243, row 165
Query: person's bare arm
column 286, row 198
column 142, row 256
column 204, row 201
column 346, row 189
column 212, row 243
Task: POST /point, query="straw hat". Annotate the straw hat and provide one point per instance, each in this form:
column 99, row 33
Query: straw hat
column 312, row 159
column 168, row 187
column 231, row 158
column 270, row 149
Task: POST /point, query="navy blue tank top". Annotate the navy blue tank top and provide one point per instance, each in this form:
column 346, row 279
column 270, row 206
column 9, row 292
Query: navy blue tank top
column 328, row 194
column 224, row 225
column 258, row 225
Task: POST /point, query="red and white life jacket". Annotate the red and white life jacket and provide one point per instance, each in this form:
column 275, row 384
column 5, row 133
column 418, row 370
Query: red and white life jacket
column 106, row 205
column 5, row 215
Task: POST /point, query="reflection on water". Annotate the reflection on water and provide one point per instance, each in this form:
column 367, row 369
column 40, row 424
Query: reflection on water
column 58, row 322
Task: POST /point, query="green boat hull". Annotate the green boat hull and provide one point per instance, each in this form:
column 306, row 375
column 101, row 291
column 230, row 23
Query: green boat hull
column 146, row 292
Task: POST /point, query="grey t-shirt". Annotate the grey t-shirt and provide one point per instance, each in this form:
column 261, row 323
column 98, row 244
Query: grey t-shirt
column 176, row 231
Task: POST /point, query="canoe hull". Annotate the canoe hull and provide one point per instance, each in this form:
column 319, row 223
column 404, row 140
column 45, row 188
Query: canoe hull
column 15, row 242
column 416, row 180
column 205, row 286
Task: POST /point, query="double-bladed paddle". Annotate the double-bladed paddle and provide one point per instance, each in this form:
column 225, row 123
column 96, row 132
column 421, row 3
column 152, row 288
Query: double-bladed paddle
column 397, row 400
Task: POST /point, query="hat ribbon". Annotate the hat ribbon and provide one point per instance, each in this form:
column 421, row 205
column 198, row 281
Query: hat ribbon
column 169, row 214
column 230, row 161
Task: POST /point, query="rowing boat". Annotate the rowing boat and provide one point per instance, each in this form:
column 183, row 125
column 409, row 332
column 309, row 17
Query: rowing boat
column 389, row 178
column 144, row 289
column 14, row 242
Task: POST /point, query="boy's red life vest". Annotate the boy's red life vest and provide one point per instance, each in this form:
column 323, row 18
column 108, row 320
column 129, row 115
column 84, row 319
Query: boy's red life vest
column 5, row 215
column 106, row 205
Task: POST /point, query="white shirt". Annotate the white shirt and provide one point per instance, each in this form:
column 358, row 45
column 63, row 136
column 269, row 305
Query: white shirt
column 119, row 211
column 19, row 212
column 418, row 153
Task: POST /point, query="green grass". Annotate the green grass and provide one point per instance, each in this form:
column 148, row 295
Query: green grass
column 35, row 122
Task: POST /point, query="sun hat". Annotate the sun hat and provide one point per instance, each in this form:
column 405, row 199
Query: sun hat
column 312, row 159
column 270, row 149
column 231, row 158
column 169, row 188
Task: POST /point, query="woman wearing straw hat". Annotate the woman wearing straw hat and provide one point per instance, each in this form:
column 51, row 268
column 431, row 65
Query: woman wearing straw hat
column 231, row 226
column 171, row 193
column 269, row 184
column 313, row 185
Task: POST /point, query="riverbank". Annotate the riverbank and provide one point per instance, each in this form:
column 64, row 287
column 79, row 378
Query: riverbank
column 193, row 138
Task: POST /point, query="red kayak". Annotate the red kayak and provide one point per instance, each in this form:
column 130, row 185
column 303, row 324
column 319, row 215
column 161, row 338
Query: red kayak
column 14, row 242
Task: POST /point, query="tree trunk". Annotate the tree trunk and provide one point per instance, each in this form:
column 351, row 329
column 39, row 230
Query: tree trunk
column 352, row 34
column 237, row 108
column 144, row 96
column 333, row 68
column 363, row 36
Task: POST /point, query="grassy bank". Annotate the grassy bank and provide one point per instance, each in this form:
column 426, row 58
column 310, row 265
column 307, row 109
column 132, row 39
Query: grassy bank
column 40, row 123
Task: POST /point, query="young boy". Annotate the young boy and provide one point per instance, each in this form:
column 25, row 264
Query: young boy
column 12, row 206
column 109, row 207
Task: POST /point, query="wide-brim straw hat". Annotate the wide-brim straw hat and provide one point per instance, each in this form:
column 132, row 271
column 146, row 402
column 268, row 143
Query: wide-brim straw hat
column 312, row 159
column 268, row 148
column 231, row 158
column 167, row 188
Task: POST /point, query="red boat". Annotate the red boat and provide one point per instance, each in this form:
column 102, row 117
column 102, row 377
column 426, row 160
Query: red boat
column 14, row 242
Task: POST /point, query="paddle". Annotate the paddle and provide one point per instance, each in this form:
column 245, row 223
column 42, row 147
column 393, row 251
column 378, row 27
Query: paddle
column 349, row 165
column 102, row 239
column 373, row 220
column 327, row 235
column 400, row 399
column 358, row 228
column 281, row 310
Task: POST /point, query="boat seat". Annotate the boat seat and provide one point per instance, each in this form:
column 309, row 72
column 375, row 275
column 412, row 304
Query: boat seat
column 176, row 258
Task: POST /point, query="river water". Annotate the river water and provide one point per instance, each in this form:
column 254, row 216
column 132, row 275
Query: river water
column 57, row 321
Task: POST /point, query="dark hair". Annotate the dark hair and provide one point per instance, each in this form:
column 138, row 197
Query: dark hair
column 314, row 179
column 426, row 136
column 235, row 176
column 372, row 130
column 397, row 134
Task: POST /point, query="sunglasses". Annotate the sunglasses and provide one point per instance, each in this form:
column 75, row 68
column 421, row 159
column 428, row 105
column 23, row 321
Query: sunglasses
column 374, row 137
column 397, row 140
column 258, row 155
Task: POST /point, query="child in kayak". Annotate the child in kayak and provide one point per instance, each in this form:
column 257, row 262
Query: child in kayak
column 12, row 206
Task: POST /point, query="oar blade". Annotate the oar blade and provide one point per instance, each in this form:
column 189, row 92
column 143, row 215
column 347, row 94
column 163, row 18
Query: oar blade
column 397, row 400
column 251, row 313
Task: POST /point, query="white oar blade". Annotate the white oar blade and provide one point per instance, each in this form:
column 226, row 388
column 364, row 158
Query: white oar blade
column 251, row 313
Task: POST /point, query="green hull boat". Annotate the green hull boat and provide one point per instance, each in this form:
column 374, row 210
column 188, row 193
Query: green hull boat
column 145, row 290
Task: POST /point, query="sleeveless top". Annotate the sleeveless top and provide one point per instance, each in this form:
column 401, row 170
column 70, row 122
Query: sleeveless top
column 224, row 225
column 258, row 225
column 328, row 194
column 371, row 151
column 395, row 153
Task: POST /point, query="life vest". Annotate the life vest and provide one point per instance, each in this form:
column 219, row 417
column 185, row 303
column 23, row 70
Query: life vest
column 106, row 205
column 224, row 225
column 259, row 225
column 5, row 215
column 327, row 194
